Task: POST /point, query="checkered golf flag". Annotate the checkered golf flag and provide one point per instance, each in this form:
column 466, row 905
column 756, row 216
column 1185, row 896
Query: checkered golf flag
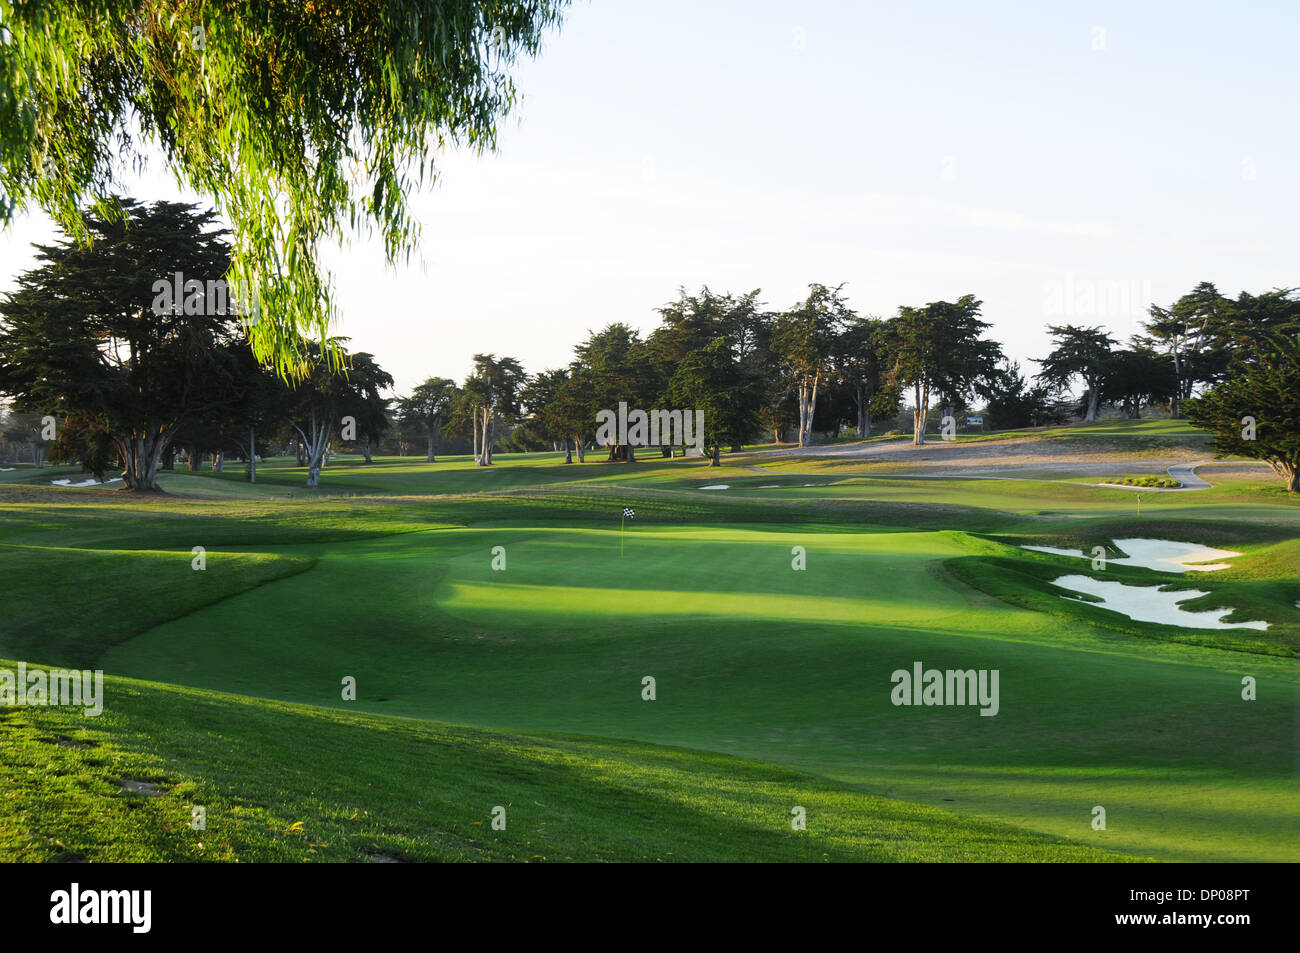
column 629, row 513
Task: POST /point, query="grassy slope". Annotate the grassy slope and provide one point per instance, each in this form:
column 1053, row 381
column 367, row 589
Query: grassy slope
column 1155, row 732
column 290, row 783
column 561, row 640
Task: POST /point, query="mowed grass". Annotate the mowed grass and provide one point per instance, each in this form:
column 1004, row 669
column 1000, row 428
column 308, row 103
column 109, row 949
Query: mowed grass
column 289, row 783
column 790, row 667
column 786, row 669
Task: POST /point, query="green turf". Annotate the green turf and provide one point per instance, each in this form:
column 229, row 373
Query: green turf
column 386, row 575
column 290, row 783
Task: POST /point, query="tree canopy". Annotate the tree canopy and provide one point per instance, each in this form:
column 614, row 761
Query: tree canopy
column 1081, row 353
column 299, row 121
column 1254, row 411
column 83, row 335
column 939, row 350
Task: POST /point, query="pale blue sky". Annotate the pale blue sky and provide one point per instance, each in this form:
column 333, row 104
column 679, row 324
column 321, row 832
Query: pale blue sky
column 1033, row 154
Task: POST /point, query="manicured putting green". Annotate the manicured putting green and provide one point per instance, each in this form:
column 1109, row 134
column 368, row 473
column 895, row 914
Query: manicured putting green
column 756, row 659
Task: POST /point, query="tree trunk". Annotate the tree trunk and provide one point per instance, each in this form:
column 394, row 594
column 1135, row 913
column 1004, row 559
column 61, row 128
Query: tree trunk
column 483, row 456
column 1174, row 406
column 1091, row 416
column 920, row 413
column 252, row 456
column 1288, row 471
column 194, row 458
column 488, row 437
column 141, row 455
column 429, row 456
column 580, row 447
column 219, row 461
column 316, row 446
column 715, row 460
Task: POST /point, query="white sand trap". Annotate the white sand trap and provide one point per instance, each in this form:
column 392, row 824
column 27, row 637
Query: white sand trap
column 770, row 486
column 1164, row 555
column 7, row 469
column 717, row 486
column 1150, row 604
column 84, row 483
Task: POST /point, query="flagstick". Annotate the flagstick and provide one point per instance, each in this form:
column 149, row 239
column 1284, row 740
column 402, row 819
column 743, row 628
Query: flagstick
column 621, row 523
column 1139, row 496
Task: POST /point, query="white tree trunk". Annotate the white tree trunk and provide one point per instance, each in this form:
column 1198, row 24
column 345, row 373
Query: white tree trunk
column 920, row 413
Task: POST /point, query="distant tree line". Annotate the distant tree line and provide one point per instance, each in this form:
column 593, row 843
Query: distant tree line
column 135, row 384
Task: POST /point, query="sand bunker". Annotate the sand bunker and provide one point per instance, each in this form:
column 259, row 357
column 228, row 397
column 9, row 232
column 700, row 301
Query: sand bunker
column 717, row 486
column 1164, row 555
column 1150, row 604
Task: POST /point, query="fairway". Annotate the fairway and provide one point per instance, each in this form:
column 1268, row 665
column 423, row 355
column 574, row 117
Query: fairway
column 771, row 621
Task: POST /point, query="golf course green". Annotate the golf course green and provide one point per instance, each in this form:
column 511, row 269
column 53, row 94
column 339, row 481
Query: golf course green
column 501, row 625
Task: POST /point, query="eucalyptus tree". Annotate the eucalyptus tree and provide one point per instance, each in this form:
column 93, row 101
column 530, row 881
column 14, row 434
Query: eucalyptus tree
column 299, row 121
column 367, row 406
column 322, row 394
column 492, row 394
column 939, row 351
column 803, row 340
column 861, row 363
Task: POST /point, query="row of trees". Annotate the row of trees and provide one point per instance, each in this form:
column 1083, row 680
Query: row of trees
column 1193, row 346
column 815, row 367
column 82, row 337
